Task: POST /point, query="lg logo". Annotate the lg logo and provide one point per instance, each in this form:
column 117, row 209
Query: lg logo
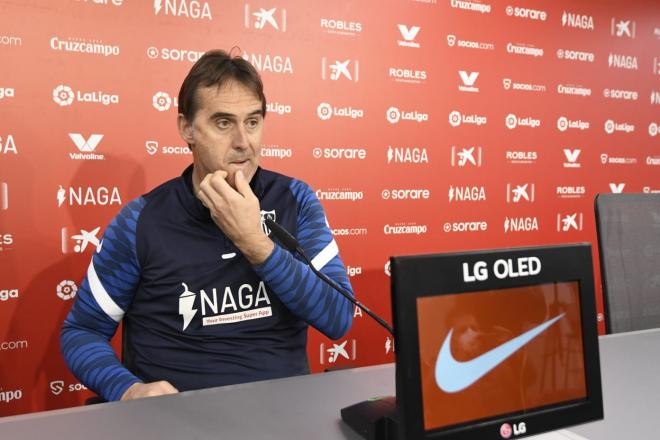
column 506, row 430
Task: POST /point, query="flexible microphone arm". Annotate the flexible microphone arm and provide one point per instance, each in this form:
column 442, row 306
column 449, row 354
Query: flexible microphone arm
column 289, row 242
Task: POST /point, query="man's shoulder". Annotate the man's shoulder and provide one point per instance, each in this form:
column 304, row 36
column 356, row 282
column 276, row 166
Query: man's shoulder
column 271, row 179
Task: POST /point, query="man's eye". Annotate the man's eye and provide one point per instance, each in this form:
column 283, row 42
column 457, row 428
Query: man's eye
column 223, row 123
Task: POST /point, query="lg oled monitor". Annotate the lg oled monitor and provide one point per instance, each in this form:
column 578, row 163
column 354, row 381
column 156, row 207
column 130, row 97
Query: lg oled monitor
column 495, row 344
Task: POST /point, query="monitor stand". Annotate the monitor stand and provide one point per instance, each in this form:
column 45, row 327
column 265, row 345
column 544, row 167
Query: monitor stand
column 373, row 419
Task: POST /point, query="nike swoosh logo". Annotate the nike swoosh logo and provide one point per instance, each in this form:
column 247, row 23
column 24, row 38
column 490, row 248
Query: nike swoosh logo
column 453, row 376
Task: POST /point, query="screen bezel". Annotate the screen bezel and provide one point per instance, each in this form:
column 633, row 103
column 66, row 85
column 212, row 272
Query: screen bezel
column 439, row 274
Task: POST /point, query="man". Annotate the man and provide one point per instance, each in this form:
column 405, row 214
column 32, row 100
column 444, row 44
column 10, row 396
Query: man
column 206, row 297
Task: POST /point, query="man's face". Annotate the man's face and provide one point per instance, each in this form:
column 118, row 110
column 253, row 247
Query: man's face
column 225, row 133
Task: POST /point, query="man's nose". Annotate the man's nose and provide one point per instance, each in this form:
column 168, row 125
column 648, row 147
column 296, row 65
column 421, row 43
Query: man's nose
column 240, row 140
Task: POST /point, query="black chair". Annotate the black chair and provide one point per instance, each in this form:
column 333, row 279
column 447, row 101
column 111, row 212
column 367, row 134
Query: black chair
column 628, row 228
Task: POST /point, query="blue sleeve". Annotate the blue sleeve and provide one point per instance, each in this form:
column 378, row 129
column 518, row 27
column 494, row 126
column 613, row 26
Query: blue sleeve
column 293, row 281
column 104, row 296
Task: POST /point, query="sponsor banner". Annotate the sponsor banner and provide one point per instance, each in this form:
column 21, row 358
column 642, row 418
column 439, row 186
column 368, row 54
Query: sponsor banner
column 341, row 27
column 64, row 96
column 454, row 41
column 327, row 111
column 349, row 153
column 407, row 228
column 83, row 46
column 571, row 192
column 465, row 226
column 466, row 156
column 577, row 21
column 171, row 54
column 457, row 118
column 575, row 90
column 521, row 156
column 190, row 9
column 576, row 55
column 524, row 49
column 526, row 13
column 607, row 159
column 407, row 155
column 570, row 222
column 510, row 84
column 407, row 75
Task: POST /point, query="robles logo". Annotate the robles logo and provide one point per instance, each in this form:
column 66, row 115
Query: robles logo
column 341, row 27
column 407, row 75
column 326, row 111
column 64, row 96
column 521, row 157
column 394, row 115
column 571, row 192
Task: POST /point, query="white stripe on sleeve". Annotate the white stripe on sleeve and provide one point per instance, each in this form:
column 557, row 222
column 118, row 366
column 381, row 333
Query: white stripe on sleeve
column 101, row 295
column 328, row 253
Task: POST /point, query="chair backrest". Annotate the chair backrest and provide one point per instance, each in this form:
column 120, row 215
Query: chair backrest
column 628, row 228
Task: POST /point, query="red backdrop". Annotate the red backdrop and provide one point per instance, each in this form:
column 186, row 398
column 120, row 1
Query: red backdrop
column 424, row 126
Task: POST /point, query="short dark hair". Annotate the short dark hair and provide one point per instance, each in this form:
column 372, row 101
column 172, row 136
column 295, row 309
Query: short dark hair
column 217, row 67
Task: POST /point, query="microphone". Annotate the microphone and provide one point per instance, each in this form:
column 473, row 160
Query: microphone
column 292, row 245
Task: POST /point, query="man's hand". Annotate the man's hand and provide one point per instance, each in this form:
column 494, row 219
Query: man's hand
column 237, row 214
column 139, row 390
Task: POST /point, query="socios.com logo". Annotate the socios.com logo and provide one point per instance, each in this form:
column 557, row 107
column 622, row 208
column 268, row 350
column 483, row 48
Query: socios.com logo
column 63, row 95
column 393, row 115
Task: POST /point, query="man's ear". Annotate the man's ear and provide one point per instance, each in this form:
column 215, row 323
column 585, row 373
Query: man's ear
column 185, row 129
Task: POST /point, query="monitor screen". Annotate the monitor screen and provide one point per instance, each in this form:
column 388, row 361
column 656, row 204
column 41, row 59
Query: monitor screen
column 495, row 344
column 494, row 352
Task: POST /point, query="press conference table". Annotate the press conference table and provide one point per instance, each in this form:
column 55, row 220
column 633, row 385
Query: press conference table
column 307, row 407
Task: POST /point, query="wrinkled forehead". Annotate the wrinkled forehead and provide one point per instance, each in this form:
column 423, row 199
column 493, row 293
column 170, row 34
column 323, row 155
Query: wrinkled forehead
column 229, row 97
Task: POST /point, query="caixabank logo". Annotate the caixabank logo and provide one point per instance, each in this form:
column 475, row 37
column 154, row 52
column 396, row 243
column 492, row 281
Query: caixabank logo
column 573, row 221
column 192, row 9
column 465, row 157
column 64, row 96
column 261, row 19
column 520, row 193
column 336, row 70
column 623, row 28
column 340, row 350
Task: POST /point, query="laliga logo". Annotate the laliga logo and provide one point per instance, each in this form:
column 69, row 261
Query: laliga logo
column 63, row 95
column 518, row 429
column 562, row 123
column 455, row 118
column 161, row 101
column 609, row 126
column 67, row 290
column 393, row 115
column 324, row 111
column 653, row 129
column 511, row 121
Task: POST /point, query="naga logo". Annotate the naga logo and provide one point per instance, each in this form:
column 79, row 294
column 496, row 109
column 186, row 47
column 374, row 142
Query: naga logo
column 410, row 228
column 626, row 95
column 466, row 194
column 518, row 193
column 568, row 222
column 64, row 96
column 571, row 158
column 278, row 109
column 509, row 84
column 524, row 49
column 563, row 124
column 412, row 155
column 168, row 54
column 270, row 63
column 467, row 5
column 654, row 128
column 339, row 153
column 475, row 226
column 468, row 80
column 406, row 194
column 267, row 215
column 162, row 101
column 611, row 126
column 7, row 145
column 578, row 21
column 342, row 194
column 456, row 119
column 570, row 89
column 266, row 17
column 66, row 290
column 326, row 111
column 409, row 34
column 617, row 188
column 571, row 192
column 337, row 351
column 276, row 152
column 7, row 294
column 576, row 55
column 341, row 27
column 521, row 157
column 466, row 156
column 83, row 196
column 407, row 75
column 6, row 92
column 394, row 115
column 153, row 147
column 623, row 28
column 183, row 8
column 452, row 41
column 340, row 69
column 627, row 62
column 520, row 224
column 81, row 45
column 530, row 14
column 243, row 303
column 512, row 121
column 81, row 240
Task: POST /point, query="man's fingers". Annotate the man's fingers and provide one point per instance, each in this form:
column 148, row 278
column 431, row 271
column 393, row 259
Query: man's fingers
column 242, row 185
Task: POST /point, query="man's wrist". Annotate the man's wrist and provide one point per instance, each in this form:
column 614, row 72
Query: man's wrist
column 257, row 251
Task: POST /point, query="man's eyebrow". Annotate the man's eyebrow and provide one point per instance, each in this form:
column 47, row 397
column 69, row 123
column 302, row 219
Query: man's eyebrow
column 224, row 115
